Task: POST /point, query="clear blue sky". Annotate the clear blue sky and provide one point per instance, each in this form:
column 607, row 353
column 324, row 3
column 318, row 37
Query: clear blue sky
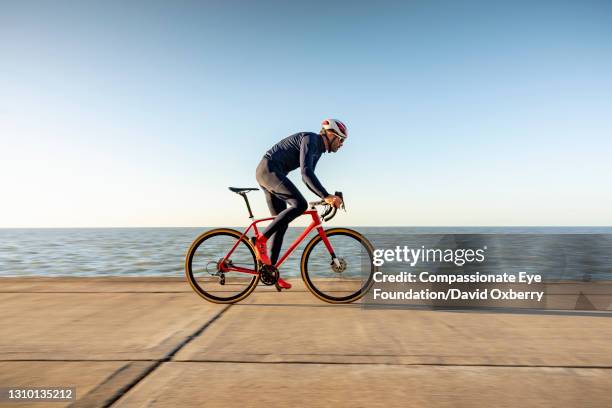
column 459, row 112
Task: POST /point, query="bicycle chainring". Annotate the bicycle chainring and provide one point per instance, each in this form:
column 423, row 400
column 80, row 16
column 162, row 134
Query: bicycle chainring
column 268, row 275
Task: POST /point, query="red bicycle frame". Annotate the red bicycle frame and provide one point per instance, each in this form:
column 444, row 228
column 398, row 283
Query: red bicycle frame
column 316, row 223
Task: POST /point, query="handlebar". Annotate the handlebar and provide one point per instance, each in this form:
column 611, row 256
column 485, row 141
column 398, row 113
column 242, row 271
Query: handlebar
column 329, row 212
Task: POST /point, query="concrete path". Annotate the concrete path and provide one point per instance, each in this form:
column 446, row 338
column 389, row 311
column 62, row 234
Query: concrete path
column 153, row 342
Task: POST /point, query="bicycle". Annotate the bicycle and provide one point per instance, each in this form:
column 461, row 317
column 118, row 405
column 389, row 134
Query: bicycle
column 221, row 265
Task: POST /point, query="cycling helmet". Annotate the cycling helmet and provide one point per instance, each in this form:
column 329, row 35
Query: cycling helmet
column 335, row 126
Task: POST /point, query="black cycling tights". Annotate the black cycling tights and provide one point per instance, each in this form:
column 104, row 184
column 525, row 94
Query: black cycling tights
column 279, row 192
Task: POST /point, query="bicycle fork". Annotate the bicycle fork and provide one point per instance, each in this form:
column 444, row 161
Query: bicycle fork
column 335, row 260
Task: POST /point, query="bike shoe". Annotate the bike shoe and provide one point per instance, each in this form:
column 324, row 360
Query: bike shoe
column 283, row 283
column 261, row 250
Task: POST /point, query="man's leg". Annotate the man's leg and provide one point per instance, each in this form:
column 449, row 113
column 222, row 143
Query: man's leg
column 279, row 189
column 287, row 192
column 276, row 206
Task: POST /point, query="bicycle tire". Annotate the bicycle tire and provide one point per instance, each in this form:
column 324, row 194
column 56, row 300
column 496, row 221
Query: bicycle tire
column 366, row 272
column 247, row 249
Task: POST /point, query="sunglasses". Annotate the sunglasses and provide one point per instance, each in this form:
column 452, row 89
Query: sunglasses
column 343, row 138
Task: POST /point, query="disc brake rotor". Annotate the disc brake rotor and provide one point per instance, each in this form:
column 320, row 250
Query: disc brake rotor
column 214, row 269
column 340, row 266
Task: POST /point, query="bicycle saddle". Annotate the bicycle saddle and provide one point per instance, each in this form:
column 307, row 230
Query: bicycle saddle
column 240, row 190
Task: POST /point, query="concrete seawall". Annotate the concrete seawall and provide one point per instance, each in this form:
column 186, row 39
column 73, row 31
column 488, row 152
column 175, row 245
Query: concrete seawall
column 153, row 342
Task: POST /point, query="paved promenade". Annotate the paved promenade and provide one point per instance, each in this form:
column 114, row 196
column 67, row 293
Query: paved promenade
column 153, row 342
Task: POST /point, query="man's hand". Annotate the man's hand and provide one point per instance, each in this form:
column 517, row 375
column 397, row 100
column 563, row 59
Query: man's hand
column 333, row 200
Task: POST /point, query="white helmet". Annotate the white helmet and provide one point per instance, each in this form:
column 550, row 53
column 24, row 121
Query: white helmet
column 335, row 126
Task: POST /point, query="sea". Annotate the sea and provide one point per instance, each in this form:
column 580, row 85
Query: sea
column 161, row 251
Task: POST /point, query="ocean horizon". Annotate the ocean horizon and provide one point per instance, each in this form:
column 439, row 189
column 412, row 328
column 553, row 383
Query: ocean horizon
column 160, row 251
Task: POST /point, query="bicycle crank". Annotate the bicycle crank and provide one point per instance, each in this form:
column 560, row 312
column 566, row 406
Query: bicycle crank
column 268, row 275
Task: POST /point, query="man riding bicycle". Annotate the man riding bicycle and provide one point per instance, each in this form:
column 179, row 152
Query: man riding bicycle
column 284, row 200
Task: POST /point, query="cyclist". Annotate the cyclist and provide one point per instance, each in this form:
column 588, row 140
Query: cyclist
column 284, row 200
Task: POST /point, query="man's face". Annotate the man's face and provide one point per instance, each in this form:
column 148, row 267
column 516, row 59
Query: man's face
column 335, row 141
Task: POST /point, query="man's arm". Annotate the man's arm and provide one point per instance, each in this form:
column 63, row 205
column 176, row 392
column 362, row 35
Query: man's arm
column 307, row 166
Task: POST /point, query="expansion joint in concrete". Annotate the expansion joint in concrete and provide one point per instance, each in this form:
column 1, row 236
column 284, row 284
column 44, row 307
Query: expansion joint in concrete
column 127, row 377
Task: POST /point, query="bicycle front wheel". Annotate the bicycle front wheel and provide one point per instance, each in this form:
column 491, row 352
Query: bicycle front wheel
column 346, row 281
column 213, row 274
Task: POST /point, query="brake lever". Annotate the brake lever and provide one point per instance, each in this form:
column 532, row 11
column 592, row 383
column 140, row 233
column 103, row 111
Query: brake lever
column 330, row 211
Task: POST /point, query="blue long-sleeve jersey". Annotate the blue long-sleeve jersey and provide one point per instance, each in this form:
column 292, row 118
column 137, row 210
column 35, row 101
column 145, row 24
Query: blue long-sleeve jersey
column 302, row 150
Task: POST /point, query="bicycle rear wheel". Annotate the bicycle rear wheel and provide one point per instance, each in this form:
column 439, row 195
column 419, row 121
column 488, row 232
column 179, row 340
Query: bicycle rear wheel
column 208, row 268
column 347, row 282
